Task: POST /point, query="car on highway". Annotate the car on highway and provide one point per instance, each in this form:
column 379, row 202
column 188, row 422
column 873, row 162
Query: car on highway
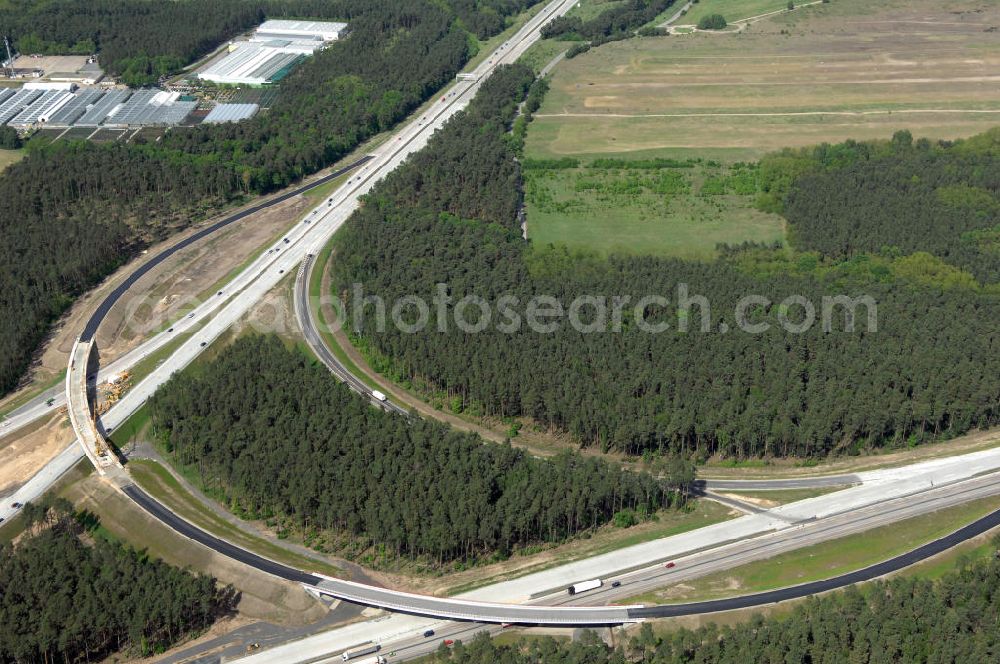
column 204, row 343
column 219, row 293
column 170, row 330
column 429, row 633
column 1, row 519
column 615, row 584
column 670, row 565
column 286, row 241
column 15, row 505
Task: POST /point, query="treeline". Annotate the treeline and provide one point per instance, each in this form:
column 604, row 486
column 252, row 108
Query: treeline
column 74, row 212
column 73, row 596
column 138, row 40
column 954, row 619
column 450, row 216
column 278, row 437
column 617, row 22
column 9, row 139
column 894, row 198
column 143, row 40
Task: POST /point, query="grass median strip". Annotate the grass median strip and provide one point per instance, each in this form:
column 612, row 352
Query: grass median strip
column 159, row 483
column 702, row 513
column 825, row 560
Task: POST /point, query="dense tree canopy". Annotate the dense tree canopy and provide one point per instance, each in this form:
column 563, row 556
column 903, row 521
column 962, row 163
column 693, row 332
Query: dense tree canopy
column 930, row 369
column 905, row 620
column 74, row 212
column 898, row 197
column 278, row 436
column 618, row 21
column 68, row 596
column 142, row 40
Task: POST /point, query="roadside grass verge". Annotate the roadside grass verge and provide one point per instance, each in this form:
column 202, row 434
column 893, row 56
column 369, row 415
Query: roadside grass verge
column 782, row 496
column 606, row 539
column 158, row 482
column 13, row 527
column 825, row 560
column 21, row 399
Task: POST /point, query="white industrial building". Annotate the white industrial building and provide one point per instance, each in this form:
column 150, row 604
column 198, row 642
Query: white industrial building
column 324, row 31
column 273, row 50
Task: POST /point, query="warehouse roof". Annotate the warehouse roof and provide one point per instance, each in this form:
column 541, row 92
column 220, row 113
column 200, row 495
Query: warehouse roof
column 231, row 113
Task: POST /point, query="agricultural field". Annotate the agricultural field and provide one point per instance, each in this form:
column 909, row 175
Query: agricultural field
column 682, row 208
column 732, row 10
column 827, row 72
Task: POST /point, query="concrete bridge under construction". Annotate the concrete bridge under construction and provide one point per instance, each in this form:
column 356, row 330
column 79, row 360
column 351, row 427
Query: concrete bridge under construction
column 81, row 414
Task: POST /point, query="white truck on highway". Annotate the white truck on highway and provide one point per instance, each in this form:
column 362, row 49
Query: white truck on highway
column 584, row 586
column 361, row 651
column 378, row 395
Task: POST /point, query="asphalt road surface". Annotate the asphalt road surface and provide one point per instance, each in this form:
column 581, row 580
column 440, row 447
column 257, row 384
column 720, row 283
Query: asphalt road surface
column 40, row 406
column 102, row 310
column 192, row 532
column 827, row 481
column 305, row 315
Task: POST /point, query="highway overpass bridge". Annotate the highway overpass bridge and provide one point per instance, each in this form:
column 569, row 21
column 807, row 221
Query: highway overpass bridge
column 81, row 415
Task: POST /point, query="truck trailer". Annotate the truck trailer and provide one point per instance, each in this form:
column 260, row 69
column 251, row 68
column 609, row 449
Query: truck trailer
column 360, row 651
column 584, row 586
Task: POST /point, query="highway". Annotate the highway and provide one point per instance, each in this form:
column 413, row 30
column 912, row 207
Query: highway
column 402, row 634
column 217, row 314
column 877, row 499
column 39, row 406
column 818, row 482
column 306, row 317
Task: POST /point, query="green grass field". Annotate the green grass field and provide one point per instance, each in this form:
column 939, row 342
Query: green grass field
column 829, row 559
column 732, row 10
column 784, row 496
column 159, row 483
column 682, row 212
column 8, row 157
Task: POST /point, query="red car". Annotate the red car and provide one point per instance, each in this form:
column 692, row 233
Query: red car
column 670, row 565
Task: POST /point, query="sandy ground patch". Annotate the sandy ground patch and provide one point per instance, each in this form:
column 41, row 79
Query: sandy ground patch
column 23, row 456
column 759, row 502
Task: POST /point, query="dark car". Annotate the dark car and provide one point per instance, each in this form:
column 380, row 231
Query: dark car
column 615, row 584
column 16, row 506
column 204, row 343
column 429, row 633
column 670, row 565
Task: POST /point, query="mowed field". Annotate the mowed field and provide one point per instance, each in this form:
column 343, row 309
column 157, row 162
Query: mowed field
column 828, row 72
column 732, row 10
column 8, row 157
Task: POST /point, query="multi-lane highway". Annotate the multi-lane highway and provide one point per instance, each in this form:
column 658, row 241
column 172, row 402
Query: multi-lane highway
column 403, row 634
column 51, row 399
column 538, row 597
column 215, row 315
